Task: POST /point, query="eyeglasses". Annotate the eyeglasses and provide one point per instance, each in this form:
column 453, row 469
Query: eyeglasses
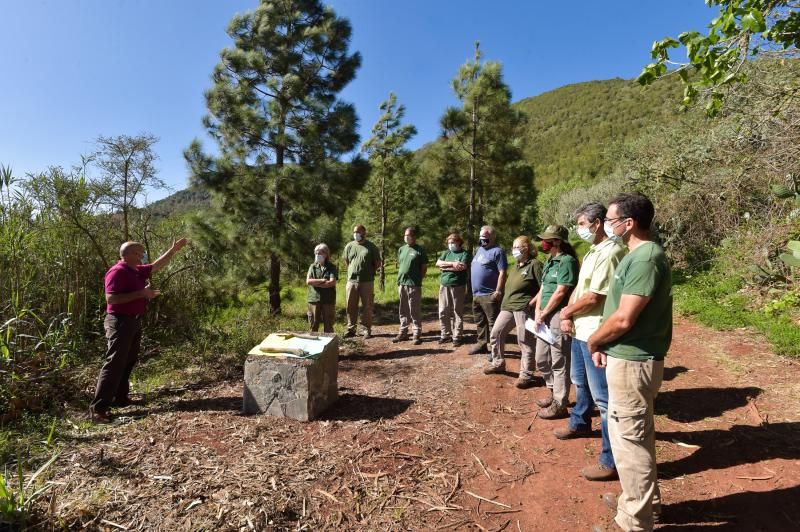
column 612, row 220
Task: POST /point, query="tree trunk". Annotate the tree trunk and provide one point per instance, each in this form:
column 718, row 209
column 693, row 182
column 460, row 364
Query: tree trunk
column 274, row 259
column 384, row 207
column 125, row 201
column 472, row 177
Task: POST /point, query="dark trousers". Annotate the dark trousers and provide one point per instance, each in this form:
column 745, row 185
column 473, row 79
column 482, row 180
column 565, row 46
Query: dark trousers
column 124, row 335
column 485, row 311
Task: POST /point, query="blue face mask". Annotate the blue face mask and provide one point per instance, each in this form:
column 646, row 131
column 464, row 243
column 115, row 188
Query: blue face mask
column 610, row 233
column 357, row 237
column 319, row 258
column 586, row 234
column 516, row 253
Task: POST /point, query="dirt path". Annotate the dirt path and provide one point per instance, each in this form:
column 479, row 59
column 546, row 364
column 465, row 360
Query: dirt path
column 420, row 435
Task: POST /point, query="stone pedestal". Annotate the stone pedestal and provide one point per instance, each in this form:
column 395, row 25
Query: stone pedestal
column 292, row 387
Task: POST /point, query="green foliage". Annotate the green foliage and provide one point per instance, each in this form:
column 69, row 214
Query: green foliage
column 481, row 162
column 569, row 130
column 715, row 298
column 792, row 259
column 743, row 29
column 274, row 112
column 17, row 496
column 391, row 169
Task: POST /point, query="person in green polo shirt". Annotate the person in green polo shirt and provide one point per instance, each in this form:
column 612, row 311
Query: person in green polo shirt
column 412, row 264
column 453, row 263
column 631, row 344
column 559, row 277
column 321, row 281
column 521, row 287
column 363, row 259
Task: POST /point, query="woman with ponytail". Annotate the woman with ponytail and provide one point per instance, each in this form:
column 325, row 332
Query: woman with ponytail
column 559, row 277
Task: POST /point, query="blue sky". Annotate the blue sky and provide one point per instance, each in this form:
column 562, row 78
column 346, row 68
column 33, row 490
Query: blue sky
column 73, row 70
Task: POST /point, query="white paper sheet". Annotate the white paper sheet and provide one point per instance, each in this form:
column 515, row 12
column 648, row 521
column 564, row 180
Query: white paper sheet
column 542, row 331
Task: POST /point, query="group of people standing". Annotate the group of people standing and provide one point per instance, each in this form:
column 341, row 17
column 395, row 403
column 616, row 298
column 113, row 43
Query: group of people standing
column 603, row 324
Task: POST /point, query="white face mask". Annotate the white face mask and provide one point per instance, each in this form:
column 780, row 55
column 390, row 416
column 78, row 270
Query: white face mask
column 319, row 258
column 517, row 253
column 610, row 233
column 357, row 237
column 453, row 247
column 586, row 234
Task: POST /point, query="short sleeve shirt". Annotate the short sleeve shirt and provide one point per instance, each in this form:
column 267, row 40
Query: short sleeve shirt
column 410, row 262
column 522, row 285
column 597, row 272
column 559, row 270
column 455, row 278
column 645, row 271
column 486, row 267
column 123, row 279
column 325, row 271
column 361, row 258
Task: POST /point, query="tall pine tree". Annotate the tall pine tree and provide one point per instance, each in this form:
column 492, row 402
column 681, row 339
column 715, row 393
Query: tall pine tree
column 274, row 111
column 482, row 154
column 390, row 162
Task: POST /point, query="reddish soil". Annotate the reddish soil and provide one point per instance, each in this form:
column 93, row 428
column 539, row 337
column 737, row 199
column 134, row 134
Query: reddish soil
column 419, row 434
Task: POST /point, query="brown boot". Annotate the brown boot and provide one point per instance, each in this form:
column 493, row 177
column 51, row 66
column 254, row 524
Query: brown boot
column 546, row 401
column 568, row 433
column 555, row 411
column 524, row 384
column 599, row 472
column 492, row 370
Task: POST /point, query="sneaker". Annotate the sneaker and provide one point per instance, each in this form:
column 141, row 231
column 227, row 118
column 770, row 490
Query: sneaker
column 524, row 384
column 457, row 342
column 545, row 402
column 600, row 472
column 349, row 334
column 494, row 370
column 555, row 411
column 478, row 349
column 417, row 341
column 99, row 417
column 568, row 433
column 444, row 340
column 400, row 338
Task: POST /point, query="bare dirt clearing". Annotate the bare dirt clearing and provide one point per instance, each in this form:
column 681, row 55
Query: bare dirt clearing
column 421, row 439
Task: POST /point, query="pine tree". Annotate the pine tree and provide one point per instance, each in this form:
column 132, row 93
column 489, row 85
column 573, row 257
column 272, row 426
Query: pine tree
column 482, row 153
column 390, row 162
column 274, row 111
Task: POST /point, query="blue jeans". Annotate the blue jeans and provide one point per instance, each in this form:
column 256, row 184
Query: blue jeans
column 591, row 388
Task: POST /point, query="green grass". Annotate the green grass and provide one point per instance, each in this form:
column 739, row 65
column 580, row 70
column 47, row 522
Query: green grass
column 716, row 300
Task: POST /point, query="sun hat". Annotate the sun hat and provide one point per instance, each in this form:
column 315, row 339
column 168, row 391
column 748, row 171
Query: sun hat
column 554, row 232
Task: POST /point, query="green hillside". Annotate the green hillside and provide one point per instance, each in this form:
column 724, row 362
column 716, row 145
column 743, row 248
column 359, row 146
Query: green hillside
column 569, row 128
column 567, row 131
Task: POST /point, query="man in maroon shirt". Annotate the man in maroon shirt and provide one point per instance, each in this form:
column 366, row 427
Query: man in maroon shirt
column 127, row 293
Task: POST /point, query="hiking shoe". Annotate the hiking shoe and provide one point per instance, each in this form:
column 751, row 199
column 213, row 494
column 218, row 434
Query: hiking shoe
column 99, row 417
column 568, row 433
column 457, row 342
column 555, row 411
column 524, row 384
column 600, row 472
column 610, row 501
column 444, row 340
column 478, row 349
column 545, row 402
column 492, row 370
column 121, row 402
column 416, row 341
column 349, row 334
column 400, row 338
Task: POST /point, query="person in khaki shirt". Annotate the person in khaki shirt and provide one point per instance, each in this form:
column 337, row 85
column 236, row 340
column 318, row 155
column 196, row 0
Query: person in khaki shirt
column 581, row 317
